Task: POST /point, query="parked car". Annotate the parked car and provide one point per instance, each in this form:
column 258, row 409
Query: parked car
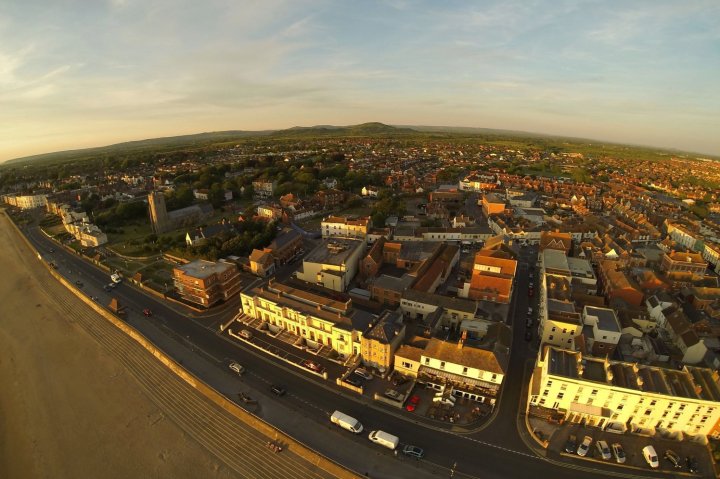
column 313, row 366
column 246, row 333
column 673, row 457
column 364, row 373
column 413, row 403
column 692, row 464
column 619, row 453
column 107, row 288
column 278, row 389
column 531, row 292
column 354, row 380
column 246, row 399
column 571, row 444
column 147, row 312
column 413, row 451
column 530, row 311
column 399, row 380
column 393, row 394
column 236, row 367
column 79, row 284
column 584, row 446
column 651, row 456
column 528, row 335
column 603, row 449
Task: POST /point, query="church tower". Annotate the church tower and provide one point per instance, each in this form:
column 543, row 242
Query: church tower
column 158, row 212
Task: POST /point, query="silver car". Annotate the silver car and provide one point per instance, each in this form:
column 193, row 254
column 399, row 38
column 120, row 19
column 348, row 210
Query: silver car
column 603, row 449
column 584, row 446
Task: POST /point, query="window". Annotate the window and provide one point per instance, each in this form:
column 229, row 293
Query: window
column 442, row 364
column 465, row 370
column 560, row 396
column 653, row 402
column 550, row 338
column 648, row 412
column 620, row 407
column 594, row 392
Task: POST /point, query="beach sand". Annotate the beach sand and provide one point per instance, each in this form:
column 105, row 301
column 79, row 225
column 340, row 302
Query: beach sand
column 67, row 409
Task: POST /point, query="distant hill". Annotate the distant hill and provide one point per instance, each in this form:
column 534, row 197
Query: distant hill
column 165, row 143
column 364, row 129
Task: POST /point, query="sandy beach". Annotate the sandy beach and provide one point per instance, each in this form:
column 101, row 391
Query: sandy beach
column 68, row 409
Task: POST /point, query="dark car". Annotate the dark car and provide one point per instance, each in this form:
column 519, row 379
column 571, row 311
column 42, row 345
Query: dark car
column 354, row 379
column 107, row 288
column 528, row 335
column 52, row 250
column 79, row 284
column 147, row 312
column 673, row 457
column 413, row 451
column 278, row 389
column 571, row 444
column 399, row 380
column 691, row 464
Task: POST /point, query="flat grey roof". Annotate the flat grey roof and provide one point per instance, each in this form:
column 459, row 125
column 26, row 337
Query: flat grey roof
column 554, row 259
column 202, row 269
column 607, row 321
column 334, row 251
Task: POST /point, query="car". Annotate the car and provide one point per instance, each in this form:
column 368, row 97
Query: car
column 413, row 451
column 412, row 403
column 584, row 446
column 531, row 286
column 236, row 367
column 651, row 456
column 571, row 444
column 52, row 250
column 528, row 335
column 529, row 323
column 673, row 457
column 354, row 380
column 531, row 292
column 618, row 452
column 107, row 288
column 246, row 399
column 399, row 380
column 278, row 389
column 393, row 394
column 531, row 277
column 246, row 333
column 364, row 373
column 79, row 284
column 530, row 311
column 313, row 366
column 691, row 464
column 112, row 285
column 147, row 312
column 603, row 449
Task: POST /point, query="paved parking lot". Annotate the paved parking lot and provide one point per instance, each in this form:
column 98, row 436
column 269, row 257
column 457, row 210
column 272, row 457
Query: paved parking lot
column 633, row 445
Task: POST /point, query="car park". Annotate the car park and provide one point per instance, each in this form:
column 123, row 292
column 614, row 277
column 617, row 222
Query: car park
column 673, row 458
column 651, row 456
column 147, row 312
column 571, row 444
column 278, row 389
column 619, row 453
column 363, row 373
column 603, row 449
column 236, row 367
column 584, row 446
column 413, row 451
column 692, row 464
column 412, row 403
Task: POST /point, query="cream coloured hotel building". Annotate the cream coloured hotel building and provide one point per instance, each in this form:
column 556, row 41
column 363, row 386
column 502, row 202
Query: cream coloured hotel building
column 623, row 396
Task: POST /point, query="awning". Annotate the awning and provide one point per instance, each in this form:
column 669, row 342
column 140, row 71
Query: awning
column 458, row 379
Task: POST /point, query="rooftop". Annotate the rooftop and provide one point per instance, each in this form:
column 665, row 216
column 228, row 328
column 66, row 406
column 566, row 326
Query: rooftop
column 202, row 269
column 606, row 318
column 335, row 251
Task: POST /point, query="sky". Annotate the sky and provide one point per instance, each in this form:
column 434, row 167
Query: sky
column 82, row 73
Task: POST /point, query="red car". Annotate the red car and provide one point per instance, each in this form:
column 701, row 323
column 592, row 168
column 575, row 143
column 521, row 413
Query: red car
column 530, row 292
column 147, row 312
column 413, row 403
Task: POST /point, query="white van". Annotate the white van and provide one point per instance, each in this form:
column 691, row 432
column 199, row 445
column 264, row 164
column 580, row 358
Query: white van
column 346, row 422
column 384, row 439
